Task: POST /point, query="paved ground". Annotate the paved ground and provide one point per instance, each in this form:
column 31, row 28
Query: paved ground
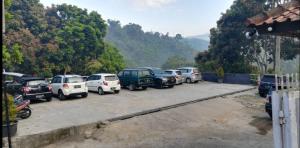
column 229, row 122
column 56, row 114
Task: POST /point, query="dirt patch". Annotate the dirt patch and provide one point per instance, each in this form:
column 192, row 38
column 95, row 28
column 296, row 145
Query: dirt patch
column 251, row 101
column 262, row 124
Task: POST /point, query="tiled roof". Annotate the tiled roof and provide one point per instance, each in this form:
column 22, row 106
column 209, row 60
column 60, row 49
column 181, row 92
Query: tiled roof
column 283, row 13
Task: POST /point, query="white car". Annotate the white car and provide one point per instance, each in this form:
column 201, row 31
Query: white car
column 103, row 82
column 190, row 74
column 69, row 85
column 177, row 74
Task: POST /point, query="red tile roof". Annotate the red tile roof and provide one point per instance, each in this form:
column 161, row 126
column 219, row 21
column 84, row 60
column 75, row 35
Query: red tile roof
column 283, row 13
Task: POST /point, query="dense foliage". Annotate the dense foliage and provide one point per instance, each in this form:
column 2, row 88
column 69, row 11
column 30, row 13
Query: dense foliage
column 229, row 48
column 146, row 48
column 56, row 40
column 176, row 62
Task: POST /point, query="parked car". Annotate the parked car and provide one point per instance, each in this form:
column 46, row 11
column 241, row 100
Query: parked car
column 267, row 82
column 102, row 83
column 161, row 78
column 69, row 85
column 190, row 74
column 177, row 74
column 31, row 88
column 135, row 78
column 84, row 78
column 268, row 105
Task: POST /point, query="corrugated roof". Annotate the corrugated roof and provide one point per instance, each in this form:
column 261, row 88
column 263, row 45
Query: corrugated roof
column 283, row 13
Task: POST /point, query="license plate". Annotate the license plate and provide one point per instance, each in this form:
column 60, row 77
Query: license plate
column 77, row 86
column 39, row 96
column 113, row 88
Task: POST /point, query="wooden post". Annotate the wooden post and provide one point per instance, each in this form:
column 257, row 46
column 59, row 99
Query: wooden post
column 277, row 55
column 277, row 136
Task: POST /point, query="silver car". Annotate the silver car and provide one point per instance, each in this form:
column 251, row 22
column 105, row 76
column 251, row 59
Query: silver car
column 190, row 74
column 177, row 74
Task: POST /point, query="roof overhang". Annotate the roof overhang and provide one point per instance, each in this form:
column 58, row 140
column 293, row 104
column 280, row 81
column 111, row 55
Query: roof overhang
column 283, row 20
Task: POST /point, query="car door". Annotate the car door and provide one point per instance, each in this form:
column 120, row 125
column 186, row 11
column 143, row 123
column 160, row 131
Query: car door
column 126, row 77
column 96, row 82
column 89, row 82
column 55, row 84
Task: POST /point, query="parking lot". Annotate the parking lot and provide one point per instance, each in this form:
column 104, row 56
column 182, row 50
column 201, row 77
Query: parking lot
column 47, row 116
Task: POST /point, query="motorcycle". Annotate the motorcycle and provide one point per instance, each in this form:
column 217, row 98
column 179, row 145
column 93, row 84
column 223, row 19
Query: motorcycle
column 23, row 109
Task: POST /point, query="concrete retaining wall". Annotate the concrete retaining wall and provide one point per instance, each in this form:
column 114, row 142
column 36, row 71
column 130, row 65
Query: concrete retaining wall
column 230, row 78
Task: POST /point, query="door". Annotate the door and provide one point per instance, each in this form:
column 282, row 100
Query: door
column 55, row 84
column 89, row 82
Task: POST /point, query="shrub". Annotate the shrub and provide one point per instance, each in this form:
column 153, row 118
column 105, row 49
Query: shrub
column 12, row 112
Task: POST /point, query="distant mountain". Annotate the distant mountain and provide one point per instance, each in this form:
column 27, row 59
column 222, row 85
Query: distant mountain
column 141, row 48
column 197, row 43
column 202, row 37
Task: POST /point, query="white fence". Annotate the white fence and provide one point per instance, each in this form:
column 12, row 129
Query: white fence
column 285, row 111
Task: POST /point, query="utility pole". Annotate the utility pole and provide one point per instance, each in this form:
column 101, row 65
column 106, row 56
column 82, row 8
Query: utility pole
column 3, row 18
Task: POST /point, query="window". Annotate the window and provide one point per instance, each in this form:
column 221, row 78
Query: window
column 97, row 77
column 178, row 72
column 91, row 78
column 111, row 78
column 126, row 73
column 56, row 80
column 120, row 74
column 168, row 72
column 73, row 80
column 184, row 70
column 134, row 73
column 144, row 73
column 36, row 82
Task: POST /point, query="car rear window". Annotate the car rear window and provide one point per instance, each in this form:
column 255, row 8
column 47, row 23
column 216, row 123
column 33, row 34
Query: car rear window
column 73, row 80
column 178, row 72
column 144, row 73
column 36, row 82
column 195, row 71
column 269, row 79
column 111, row 78
column 168, row 72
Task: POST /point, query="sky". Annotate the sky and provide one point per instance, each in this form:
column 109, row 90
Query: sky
column 187, row 17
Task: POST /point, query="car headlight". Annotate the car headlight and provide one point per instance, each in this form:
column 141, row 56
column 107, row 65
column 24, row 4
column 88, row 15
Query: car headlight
column 164, row 79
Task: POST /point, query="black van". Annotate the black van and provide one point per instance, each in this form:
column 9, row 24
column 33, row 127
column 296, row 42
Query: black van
column 135, row 78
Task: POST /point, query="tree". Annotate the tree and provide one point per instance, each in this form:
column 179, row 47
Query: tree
column 111, row 60
column 176, row 62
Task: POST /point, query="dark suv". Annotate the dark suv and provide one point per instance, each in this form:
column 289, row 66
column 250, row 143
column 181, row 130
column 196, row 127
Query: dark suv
column 29, row 87
column 267, row 82
column 135, row 78
column 161, row 78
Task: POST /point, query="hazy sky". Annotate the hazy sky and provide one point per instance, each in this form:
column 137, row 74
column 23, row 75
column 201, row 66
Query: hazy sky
column 187, row 17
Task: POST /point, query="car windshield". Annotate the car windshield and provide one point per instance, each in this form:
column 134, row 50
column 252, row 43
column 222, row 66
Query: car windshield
column 168, row 72
column 36, row 82
column 158, row 71
column 144, row 73
column 73, row 80
column 111, row 78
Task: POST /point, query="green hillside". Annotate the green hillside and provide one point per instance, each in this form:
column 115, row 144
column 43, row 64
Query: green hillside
column 141, row 48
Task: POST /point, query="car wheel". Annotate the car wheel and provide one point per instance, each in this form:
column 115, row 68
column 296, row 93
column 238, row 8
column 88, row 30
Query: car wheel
column 48, row 98
column 100, row 91
column 117, row 91
column 144, row 87
column 61, row 95
column 188, row 80
column 131, row 87
column 84, row 95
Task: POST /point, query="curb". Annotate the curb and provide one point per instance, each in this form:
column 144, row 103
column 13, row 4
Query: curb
column 85, row 130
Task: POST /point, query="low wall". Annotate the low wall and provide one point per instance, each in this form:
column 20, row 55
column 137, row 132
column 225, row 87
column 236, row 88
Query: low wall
column 230, row 78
